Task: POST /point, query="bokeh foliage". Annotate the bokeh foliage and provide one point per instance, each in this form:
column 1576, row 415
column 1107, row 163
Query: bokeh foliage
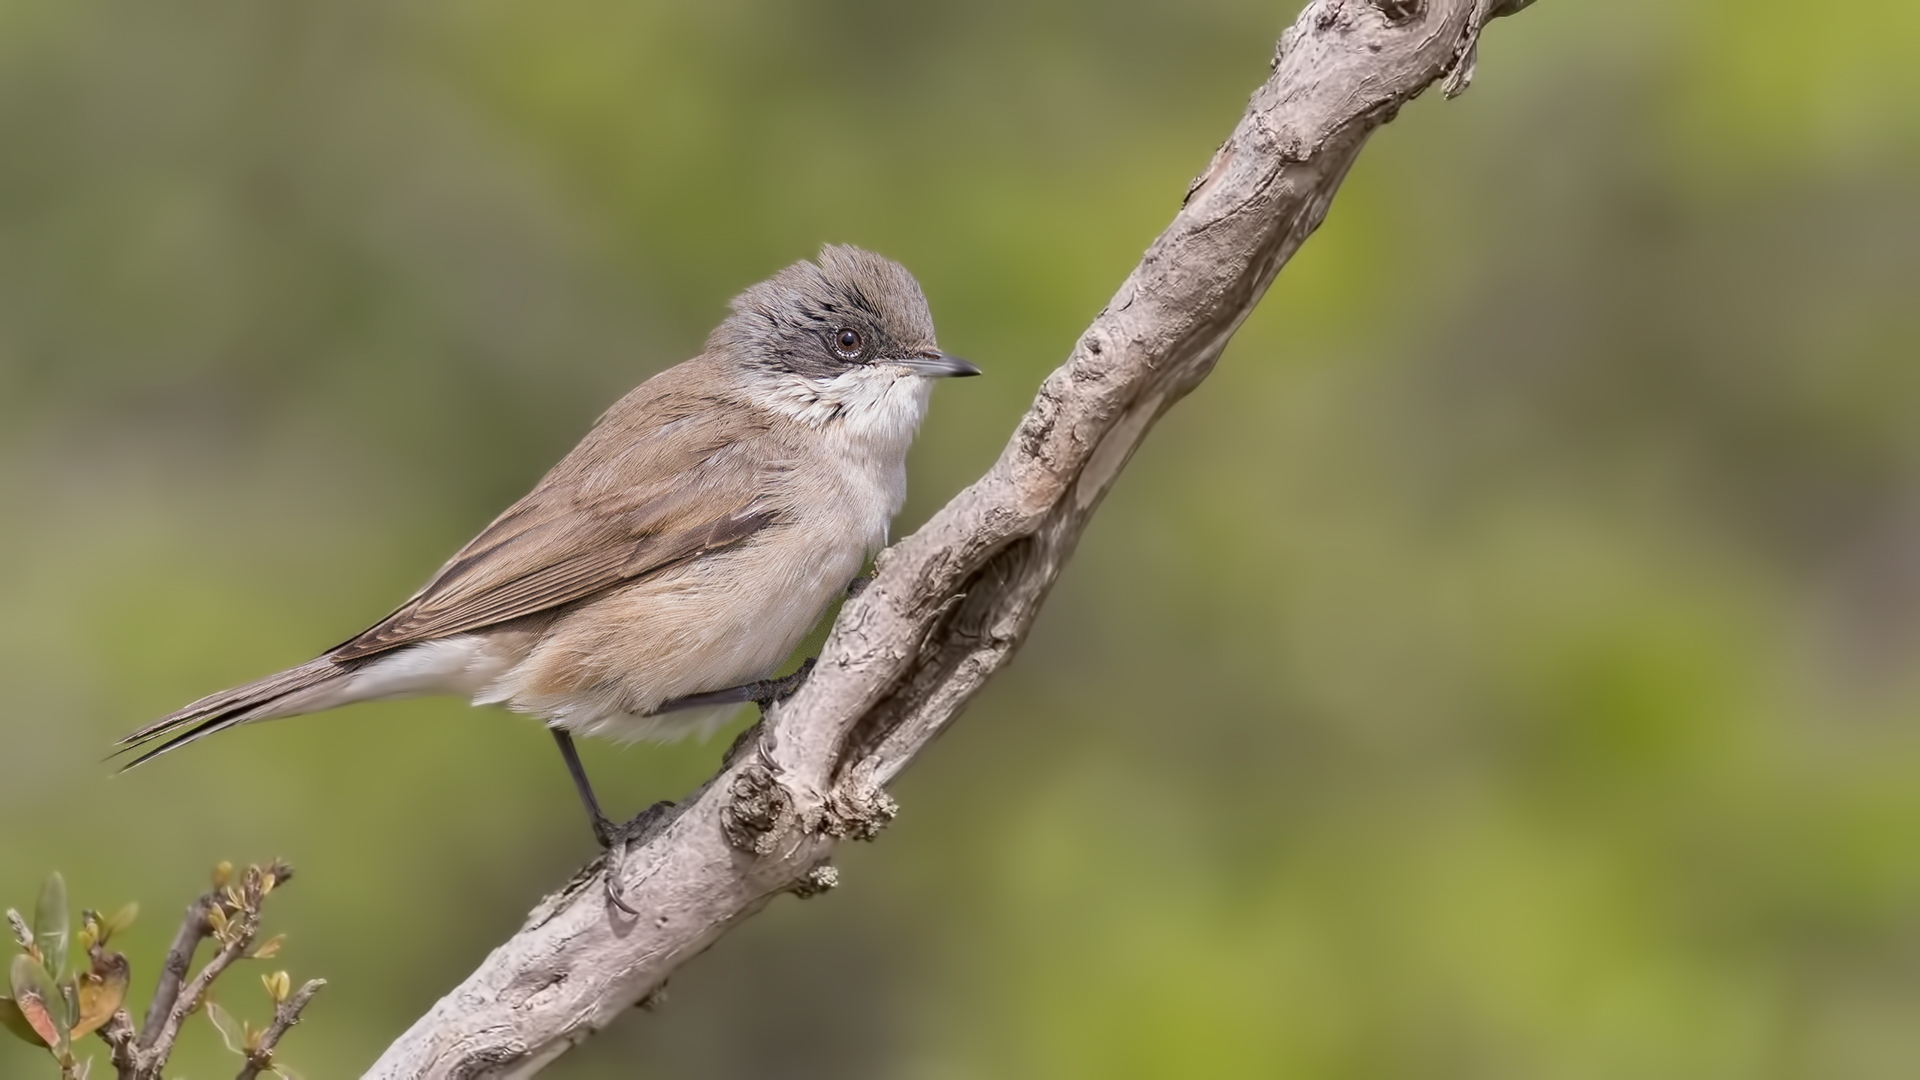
column 1504, row 666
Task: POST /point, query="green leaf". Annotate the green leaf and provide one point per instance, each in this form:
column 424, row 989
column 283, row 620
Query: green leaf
column 120, row 921
column 51, row 930
column 36, row 996
column 15, row 1021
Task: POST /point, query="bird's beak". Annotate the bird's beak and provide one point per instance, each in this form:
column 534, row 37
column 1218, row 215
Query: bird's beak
column 935, row 364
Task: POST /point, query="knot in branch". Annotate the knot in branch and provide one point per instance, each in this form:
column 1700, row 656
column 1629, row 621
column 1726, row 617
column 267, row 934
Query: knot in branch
column 759, row 810
column 858, row 808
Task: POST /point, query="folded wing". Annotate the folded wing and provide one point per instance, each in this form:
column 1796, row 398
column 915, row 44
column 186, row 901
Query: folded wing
column 605, row 515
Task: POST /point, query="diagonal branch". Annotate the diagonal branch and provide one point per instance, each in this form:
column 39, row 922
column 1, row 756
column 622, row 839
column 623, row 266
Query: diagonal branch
column 286, row 1013
column 173, row 971
column 950, row 604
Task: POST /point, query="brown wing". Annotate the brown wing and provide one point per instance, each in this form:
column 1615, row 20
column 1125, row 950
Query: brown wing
column 666, row 476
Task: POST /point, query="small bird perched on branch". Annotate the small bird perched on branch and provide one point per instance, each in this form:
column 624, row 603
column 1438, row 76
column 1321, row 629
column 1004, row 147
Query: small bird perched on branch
column 661, row 572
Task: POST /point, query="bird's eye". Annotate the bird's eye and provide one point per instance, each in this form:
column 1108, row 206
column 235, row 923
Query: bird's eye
column 847, row 343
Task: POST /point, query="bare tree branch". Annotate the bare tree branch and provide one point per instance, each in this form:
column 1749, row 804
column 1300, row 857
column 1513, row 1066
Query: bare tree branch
column 949, row 605
column 286, row 1013
column 229, row 914
column 173, row 970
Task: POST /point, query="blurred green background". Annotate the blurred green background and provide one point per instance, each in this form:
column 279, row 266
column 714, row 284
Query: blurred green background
column 1503, row 667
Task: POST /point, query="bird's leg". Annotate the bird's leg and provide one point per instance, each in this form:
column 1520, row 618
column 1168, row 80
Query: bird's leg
column 603, row 826
column 612, row 837
column 764, row 693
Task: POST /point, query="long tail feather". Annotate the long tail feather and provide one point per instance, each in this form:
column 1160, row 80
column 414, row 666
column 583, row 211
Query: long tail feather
column 259, row 700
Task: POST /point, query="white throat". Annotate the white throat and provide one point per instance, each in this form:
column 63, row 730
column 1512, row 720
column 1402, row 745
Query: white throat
column 866, row 418
column 870, row 412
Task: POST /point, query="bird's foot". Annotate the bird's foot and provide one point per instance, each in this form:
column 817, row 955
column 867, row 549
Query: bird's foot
column 617, row 837
column 769, row 692
column 605, row 831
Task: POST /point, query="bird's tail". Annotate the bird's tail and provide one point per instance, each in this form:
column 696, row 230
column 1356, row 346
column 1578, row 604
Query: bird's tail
column 288, row 693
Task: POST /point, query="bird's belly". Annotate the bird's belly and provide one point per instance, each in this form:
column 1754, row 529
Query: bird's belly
column 726, row 619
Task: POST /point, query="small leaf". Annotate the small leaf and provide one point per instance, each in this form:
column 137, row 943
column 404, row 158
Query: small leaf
column 285, row 1073
column 102, row 990
column 36, row 996
column 81, row 1069
column 222, row 874
column 51, row 929
column 232, row 1032
column 270, row 948
column 217, row 918
column 278, row 986
column 120, row 921
column 15, row 1021
column 89, row 931
column 23, row 975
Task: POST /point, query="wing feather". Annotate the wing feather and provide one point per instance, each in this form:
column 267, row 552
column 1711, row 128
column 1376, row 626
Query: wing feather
column 643, row 491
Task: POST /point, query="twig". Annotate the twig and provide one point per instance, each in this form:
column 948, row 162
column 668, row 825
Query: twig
column 285, row 1015
column 229, row 914
column 238, row 907
column 123, row 1045
column 173, row 971
column 949, row 605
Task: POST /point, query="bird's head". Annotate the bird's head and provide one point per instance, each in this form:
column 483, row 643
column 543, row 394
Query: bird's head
column 849, row 330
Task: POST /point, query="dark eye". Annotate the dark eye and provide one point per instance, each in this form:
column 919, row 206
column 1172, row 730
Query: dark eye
column 847, row 342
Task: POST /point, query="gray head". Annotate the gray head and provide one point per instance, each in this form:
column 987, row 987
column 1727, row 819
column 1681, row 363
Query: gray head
column 849, row 311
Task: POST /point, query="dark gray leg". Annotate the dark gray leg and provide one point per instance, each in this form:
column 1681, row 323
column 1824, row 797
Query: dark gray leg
column 764, row 693
column 603, row 827
column 611, row 837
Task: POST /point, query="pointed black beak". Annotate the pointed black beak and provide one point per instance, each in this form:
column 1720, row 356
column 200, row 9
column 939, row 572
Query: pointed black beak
column 937, row 365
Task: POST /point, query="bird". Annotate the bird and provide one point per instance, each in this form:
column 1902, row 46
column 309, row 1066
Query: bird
column 656, row 577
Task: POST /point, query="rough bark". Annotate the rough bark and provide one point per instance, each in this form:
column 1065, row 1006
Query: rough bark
column 949, row 605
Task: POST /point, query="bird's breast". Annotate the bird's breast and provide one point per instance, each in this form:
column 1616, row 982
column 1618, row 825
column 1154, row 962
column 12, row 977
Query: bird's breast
column 731, row 616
